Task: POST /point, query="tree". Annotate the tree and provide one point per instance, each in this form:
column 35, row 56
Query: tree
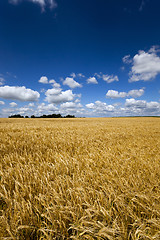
column 16, row 116
column 70, row 116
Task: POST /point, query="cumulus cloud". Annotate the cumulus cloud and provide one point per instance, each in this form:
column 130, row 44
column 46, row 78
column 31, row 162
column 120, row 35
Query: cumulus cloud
column 65, row 108
column 19, row 93
column 13, row 104
column 110, row 78
column 142, row 107
column 2, row 103
column 132, row 93
column 146, row 65
column 24, row 110
column 136, row 93
column 43, row 79
column 49, row 107
column 13, row 110
column 90, row 105
column 43, row 3
column 53, row 91
column 58, row 96
column 100, row 107
column 54, row 83
column 132, row 107
column 71, row 105
column 71, row 83
column 92, row 80
column 135, row 103
column 115, row 94
column 72, row 108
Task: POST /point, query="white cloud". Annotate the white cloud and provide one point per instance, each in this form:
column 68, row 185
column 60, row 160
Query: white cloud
column 58, row 96
column 154, row 49
column 1, row 81
column 90, row 105
column 100, row 107
column 43, row 79
column 92, row 80
column 131, row 107
column 13, row 104
column 110, row 78
column 53, row 91
column 153, row 106
column 98, row 75
column 107, row 78
column 127, row 59
column 135, row 103
column 80, row 75
column 115, row 94
column 65, row 108
column 142, row 107
column 2, row 103
column 8, row 111
column 72, row 108
column 31, row 105
column 43, row 3
column 54, row 83
column 136, row 93
column 73, row 75
column 18, row 93
column 71, row 83
column 23, row 110
column 43, row 107
column 146, row 65
column 132, row 93
column 71, row 105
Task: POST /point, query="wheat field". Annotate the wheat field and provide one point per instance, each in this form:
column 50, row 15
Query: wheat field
column 96, row 178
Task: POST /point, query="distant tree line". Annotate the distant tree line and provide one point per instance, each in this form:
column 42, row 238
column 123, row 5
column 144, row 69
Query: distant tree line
column 16, row 116
column 43, row 116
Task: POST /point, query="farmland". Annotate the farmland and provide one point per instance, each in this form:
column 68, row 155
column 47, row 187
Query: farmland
column 96, row 178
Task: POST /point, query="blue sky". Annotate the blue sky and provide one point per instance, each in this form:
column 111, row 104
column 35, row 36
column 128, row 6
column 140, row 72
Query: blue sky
column 91, row 58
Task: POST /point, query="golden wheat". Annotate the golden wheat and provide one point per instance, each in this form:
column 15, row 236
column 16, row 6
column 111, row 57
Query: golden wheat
column 80, row 178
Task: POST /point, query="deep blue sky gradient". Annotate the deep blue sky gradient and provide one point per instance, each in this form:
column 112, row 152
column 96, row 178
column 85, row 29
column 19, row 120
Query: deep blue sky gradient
column 87, row 36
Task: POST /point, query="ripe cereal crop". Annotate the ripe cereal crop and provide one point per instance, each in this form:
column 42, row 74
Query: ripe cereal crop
column 82, row 178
